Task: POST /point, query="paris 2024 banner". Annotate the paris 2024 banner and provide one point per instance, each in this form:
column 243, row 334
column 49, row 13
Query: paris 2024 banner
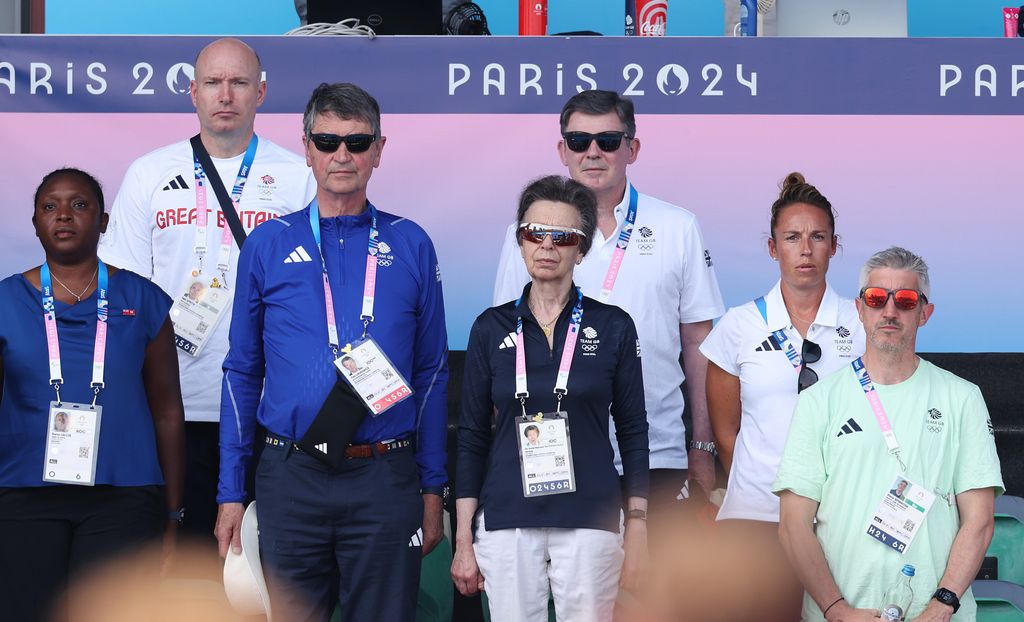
column 915, row 141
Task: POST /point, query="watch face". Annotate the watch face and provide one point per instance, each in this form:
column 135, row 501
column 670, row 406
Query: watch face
column 947, row 597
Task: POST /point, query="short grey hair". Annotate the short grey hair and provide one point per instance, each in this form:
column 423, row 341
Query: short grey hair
column 344, row 100
column 898, row 259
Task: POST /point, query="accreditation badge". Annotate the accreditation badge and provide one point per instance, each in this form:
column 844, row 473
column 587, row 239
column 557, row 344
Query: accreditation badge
column 898, row 518
column 376, row 381
column 72, row 438
column 197, row 311
column 545, row 455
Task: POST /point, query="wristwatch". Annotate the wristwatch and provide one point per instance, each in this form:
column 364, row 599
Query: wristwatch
column 947, row 597
column 637, row 514
column 176, row 515
column 708, row 446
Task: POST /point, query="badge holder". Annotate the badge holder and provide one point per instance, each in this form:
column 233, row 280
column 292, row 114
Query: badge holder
column 197, row 312
column 72, row 441
column 372, row 375
column 545, row 451
column 897, row 519
column 545, row 455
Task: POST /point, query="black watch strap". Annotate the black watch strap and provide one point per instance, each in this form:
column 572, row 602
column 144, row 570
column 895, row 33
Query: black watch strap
column 441, row 491
column 947, row 597
column 176, row 515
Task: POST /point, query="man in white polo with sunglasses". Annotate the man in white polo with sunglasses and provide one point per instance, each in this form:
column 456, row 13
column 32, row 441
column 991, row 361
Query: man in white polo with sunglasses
column 648, row 258
column 170, row 224
column 889, row 423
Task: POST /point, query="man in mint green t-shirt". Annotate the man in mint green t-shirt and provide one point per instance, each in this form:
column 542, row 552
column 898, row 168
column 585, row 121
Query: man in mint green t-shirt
column 841, row 469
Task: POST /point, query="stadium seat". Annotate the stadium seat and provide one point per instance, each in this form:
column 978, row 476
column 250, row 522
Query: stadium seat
column 1008, row 540
column 999, row 601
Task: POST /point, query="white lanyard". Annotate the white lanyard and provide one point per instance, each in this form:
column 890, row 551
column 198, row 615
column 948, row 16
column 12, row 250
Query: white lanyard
column 53, row 341
column 876, row 406
column 620, row 247
column 369, row 281
column 568, row 351
column 202, row 218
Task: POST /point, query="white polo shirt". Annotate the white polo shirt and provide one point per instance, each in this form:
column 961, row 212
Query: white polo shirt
column 742, row 344
column 667, row 278
column 152, row 232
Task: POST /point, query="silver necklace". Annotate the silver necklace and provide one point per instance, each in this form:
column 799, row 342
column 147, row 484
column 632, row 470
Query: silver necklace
column 78, row 297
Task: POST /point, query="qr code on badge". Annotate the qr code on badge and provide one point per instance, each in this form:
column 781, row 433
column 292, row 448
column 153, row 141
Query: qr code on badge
column 201, row 327
column 559, row 461
column 83, row 452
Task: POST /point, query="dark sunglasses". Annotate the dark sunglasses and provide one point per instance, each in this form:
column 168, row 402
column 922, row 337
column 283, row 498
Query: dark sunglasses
column 560, row 236
column 904, row 299
column 606, row 141
column 355, row 143
column 809, row 353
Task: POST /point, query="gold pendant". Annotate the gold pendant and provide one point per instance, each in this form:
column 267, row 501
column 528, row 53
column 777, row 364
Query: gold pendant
column 547, row 331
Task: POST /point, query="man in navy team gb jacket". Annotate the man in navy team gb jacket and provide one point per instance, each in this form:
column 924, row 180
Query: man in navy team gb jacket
column 352, row 532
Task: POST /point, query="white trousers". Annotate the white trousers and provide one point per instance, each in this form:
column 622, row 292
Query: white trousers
column 581, row 567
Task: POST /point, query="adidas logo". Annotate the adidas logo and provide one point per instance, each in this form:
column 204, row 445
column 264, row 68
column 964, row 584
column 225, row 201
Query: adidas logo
column 299, row 255
column 178, row 183
column 508, row 342
column 769, row 345
column 417, row 538
column 849, row 428
column 322, row 448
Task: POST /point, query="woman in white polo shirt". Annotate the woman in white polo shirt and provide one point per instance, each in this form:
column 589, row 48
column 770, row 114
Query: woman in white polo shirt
column 760, row 356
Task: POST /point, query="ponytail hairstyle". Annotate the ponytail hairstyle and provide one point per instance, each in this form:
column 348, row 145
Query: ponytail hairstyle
column 795, row 189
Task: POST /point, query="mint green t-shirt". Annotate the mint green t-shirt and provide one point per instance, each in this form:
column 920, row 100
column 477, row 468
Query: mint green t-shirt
column 836, row 455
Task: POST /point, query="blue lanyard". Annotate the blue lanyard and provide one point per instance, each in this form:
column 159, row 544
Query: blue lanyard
column 369, row 281
column 780, row 336
column 53, row 341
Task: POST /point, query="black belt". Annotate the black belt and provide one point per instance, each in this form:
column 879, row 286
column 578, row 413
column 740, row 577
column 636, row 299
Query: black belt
column 352, row 451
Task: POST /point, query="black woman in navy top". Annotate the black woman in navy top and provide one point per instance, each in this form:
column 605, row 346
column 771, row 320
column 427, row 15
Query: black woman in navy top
column 109, row 349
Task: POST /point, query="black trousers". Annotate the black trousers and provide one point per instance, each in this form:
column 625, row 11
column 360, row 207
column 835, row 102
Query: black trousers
column 51, row 534
column 350, row 536
column 202, row 465
column 202, row 470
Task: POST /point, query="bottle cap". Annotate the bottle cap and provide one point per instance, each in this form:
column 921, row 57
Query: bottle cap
column 908, row 570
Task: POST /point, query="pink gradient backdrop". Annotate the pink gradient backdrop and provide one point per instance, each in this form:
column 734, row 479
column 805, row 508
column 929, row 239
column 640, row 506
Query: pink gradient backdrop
column 941, row 186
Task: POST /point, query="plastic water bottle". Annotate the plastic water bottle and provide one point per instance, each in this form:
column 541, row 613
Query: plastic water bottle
column 897, row 598
column 748, row 18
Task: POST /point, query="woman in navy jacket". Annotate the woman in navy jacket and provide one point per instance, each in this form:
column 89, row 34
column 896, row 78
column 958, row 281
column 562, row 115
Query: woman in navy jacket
column 542, row 491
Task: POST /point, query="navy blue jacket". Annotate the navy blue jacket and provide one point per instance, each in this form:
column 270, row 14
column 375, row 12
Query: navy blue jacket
column 278, row 337
column 605, row 379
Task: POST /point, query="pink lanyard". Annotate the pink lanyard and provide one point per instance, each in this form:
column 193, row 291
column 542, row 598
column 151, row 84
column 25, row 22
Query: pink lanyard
column 369, row 280
column 568, row 351
column 876, row 406
column 202, row 218
column 620, row 247
column 53, row 340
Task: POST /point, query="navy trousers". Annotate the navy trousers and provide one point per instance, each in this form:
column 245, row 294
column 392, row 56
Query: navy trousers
column 350, row 536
